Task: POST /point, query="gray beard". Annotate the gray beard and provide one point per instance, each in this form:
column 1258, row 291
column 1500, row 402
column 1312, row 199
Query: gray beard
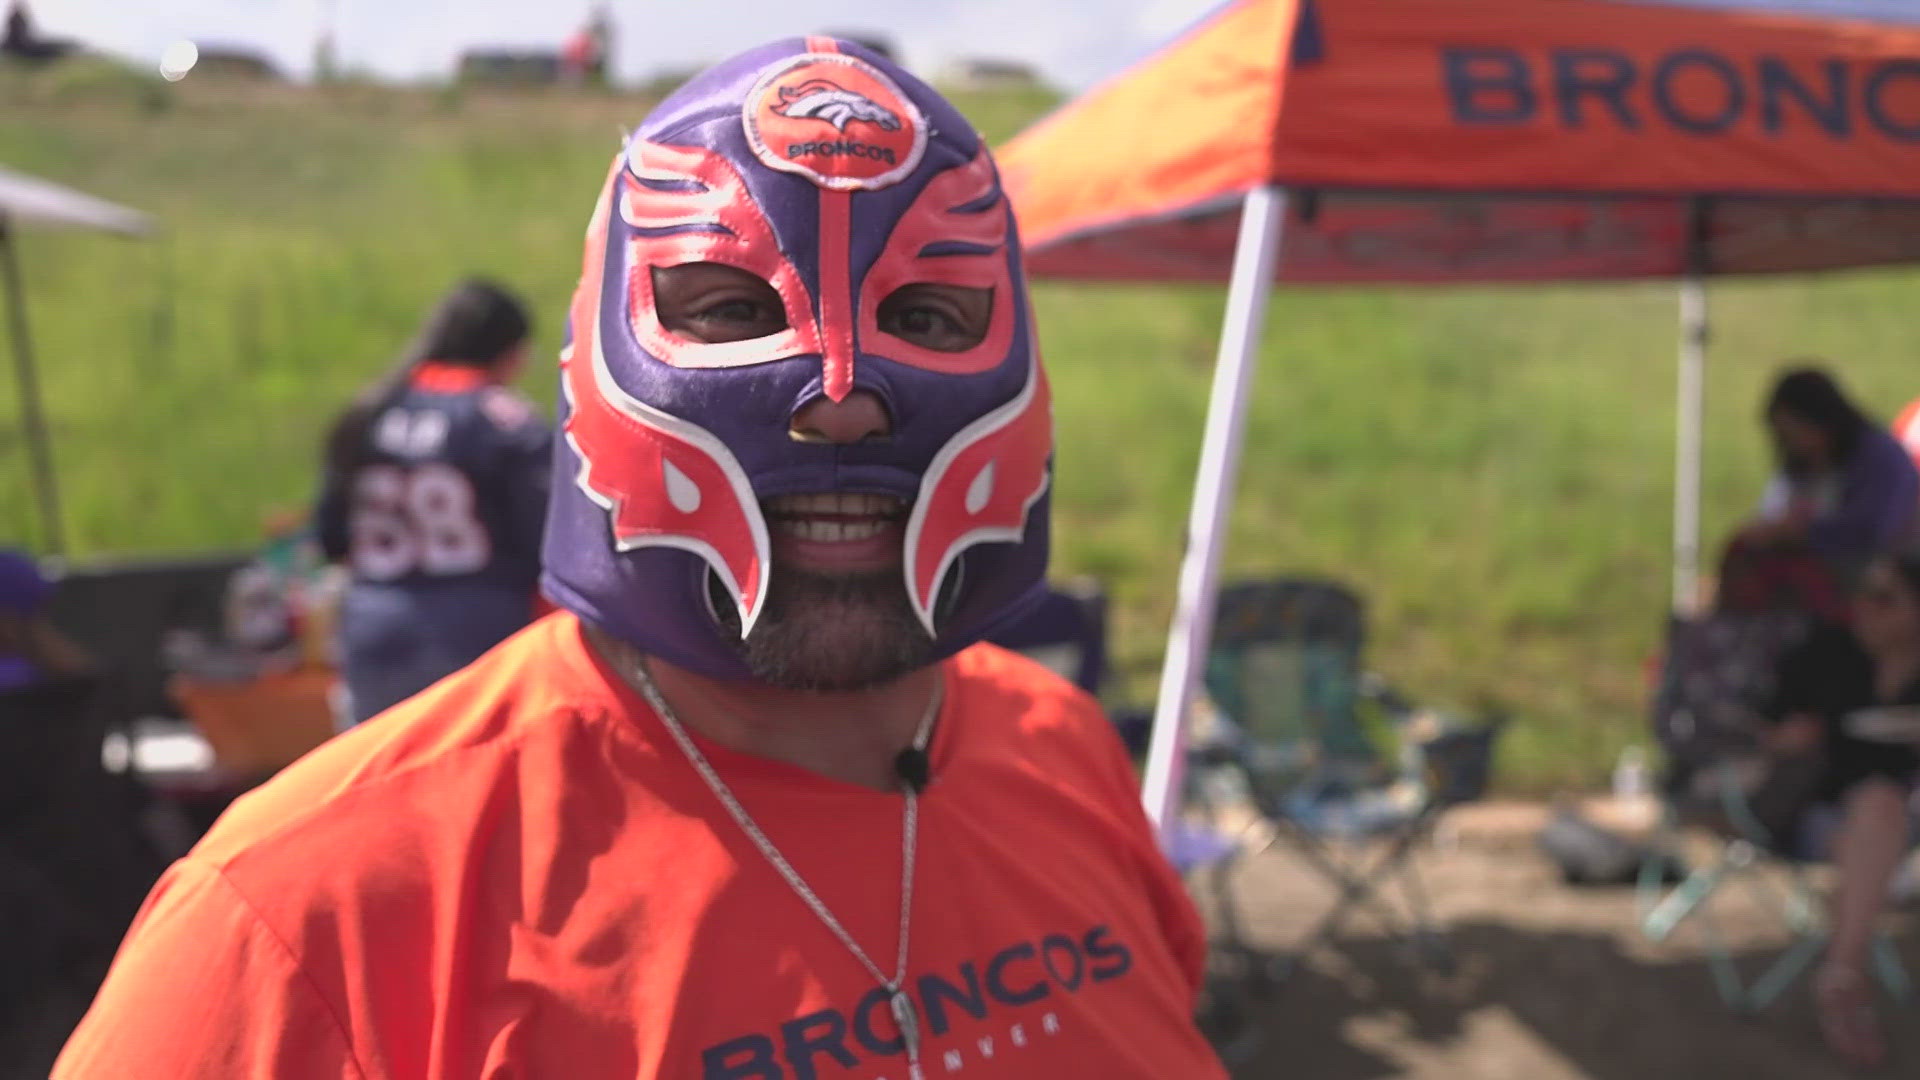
column 832, row 631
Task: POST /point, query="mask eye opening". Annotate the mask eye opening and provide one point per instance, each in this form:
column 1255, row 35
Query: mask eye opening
column 937, row 315
column 711, row 303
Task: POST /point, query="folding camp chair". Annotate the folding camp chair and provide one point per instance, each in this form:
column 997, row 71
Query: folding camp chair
column 1717, row 676
column 1284, row 672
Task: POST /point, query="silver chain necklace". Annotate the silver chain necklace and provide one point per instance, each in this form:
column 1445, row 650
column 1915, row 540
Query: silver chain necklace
column 898, row 1001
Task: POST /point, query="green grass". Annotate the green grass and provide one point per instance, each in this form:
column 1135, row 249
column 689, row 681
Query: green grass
column 1492, row 466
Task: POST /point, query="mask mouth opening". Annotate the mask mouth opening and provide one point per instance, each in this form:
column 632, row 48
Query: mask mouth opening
column 834, row 517
column 816, row 518
column 947, row 600
column 720, row 605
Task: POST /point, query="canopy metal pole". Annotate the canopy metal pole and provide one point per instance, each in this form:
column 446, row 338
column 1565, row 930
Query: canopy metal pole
column 1690, row 418
column 32, row 420
column 1255, row 255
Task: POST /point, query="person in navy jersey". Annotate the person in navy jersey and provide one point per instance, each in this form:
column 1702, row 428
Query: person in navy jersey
column 435, row 498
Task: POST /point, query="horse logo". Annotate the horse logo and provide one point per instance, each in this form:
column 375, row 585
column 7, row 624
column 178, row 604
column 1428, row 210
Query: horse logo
column 835, row 119
column 824, row 99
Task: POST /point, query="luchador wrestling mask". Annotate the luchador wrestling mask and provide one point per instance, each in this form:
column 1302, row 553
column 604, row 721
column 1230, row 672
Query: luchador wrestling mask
column 838, row 179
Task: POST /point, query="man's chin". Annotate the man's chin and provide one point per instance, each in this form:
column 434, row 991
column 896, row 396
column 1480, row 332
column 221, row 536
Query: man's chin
column 831, row 632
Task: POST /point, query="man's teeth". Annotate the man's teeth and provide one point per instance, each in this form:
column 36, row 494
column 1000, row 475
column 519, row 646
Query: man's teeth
column 833, row 518
column 829, row 531
column 835, row 503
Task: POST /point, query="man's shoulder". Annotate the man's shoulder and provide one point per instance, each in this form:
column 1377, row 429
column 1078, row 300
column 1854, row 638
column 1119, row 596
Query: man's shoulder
column 995, row 669
column 417, row 767
column 1022, row 719
column 1004, row 688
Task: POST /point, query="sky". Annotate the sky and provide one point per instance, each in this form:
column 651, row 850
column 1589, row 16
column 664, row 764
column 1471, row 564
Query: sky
column 1073, row 42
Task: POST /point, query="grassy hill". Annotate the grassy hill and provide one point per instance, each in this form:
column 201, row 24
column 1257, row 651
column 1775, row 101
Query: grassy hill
column 1492, row 466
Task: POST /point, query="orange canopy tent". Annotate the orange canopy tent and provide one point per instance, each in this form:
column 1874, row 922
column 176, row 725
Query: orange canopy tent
column 1473, row 141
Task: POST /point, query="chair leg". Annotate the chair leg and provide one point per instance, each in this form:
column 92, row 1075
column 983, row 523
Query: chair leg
column 1353, row 886
column 1685, row 898
column 1689, row 899
column 1726, row 977
column 1351, row 891
column 1425, row 929
column 1647, row 891
column 1784, row 972
column 1800, row 903
column 1803, row 916
column 1430, row 940
column 1361, row 890
column 1892, row 973
column 1662, row 856
column 1355, row 891
column 1799, row 906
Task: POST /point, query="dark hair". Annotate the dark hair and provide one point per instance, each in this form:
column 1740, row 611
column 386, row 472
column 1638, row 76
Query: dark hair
column 1810, row 394
column 477, row 324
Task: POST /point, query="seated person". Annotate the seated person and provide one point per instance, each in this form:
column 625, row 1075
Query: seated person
column 31, row 650
column 1845, row 490
column 1832, row 675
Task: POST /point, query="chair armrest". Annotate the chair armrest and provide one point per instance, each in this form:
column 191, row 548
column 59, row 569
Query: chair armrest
column 1457, row 763
column 1374, row 688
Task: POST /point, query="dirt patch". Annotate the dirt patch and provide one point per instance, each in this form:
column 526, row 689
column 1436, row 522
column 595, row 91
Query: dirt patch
column 1549, row 982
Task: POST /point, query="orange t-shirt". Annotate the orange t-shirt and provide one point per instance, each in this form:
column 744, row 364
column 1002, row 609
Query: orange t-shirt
column 517, row 874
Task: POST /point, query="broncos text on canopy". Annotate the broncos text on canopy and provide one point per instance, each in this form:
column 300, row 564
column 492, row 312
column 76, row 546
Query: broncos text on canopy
column 1693, row 90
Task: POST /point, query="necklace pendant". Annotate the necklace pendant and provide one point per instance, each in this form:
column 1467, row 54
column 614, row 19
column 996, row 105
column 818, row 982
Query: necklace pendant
column 901, row 1006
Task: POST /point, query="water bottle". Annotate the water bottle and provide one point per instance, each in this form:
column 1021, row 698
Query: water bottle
column 1631, row 779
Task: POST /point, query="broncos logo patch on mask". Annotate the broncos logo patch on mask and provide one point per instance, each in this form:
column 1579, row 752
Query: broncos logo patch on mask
column 836, row 120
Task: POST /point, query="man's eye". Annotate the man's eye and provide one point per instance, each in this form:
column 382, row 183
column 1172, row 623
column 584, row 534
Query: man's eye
column 714, row 303
column 944, row 318
column 926, row 320
column 734, row 311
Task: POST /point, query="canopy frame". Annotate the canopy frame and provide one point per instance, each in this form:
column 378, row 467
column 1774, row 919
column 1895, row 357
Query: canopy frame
column 29, row 200
column 1256, row 253
column 1690, row 416
column 33, row 420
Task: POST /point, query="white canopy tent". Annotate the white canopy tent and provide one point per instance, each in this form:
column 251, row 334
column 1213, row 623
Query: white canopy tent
column 29, row 201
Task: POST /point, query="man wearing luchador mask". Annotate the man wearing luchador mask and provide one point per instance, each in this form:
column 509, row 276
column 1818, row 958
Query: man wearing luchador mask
column 755, row 803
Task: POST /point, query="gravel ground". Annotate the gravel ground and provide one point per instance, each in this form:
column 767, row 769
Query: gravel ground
column 1549, row 981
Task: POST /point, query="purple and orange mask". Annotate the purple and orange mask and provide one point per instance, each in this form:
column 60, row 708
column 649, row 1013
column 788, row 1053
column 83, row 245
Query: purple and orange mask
column 837, row 178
